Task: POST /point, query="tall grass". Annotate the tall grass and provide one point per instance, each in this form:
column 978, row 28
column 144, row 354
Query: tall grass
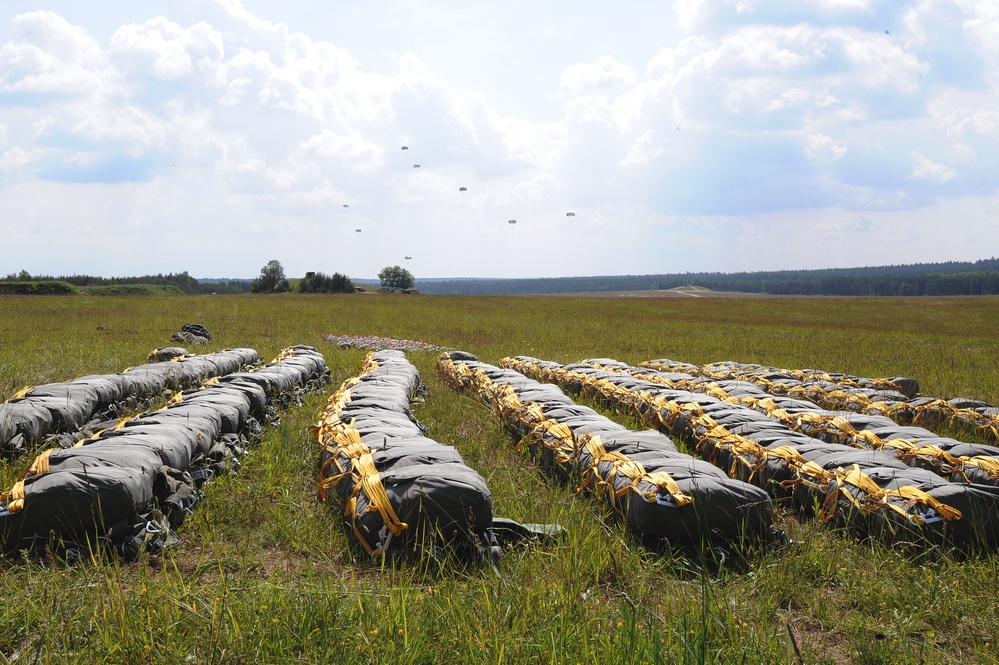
column 267, row 573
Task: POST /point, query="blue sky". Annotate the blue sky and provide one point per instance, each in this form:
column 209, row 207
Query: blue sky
column 699, row 135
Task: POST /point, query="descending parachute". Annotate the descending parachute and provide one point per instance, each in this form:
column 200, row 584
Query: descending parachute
column 512, row 221
column 346, row 205
column 357, row 230
column 408, row 258
column 463, row 189
column 570, row 214
column 416, row 166
column 405, row 147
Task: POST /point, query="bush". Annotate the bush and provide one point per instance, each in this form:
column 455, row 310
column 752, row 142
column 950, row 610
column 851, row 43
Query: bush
column 53, row 288
column 317, row 282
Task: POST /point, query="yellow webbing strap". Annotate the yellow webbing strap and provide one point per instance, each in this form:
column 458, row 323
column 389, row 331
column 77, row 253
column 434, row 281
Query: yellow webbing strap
column 177, row 398
column 286, row 352
column 15, row 498
column 915, row 494
column 661, row 479
column 876, row 497
column 874, row 441
column 556, row 429
column 364, row 465
column 786, row 453
column 379, row 501
column 808, row 473
column 941, row 458
column 989, row 465
column 20, row 394
column 563, row 439
column 41, row 464
column 595, row 446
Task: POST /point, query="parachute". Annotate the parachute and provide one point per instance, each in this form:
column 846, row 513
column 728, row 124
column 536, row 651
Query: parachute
column 463, row 189
column 570, row 214
column 416, row 166
column 405, row 147
column 512, row 221
column 357, row 230
column 346, row 205
column 408, row 258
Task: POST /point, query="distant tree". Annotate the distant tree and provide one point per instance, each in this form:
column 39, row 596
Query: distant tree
column 271, row 279
column 396, row 278
column 317, row 282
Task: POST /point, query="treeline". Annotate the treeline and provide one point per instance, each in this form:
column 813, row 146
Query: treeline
column 926, row 279
column 180, row 281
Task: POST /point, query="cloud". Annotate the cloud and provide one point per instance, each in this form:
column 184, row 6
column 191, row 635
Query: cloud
column 48, row 56
column 925, row 168
column 162, row 50
column 822, row 147
column 598, row 76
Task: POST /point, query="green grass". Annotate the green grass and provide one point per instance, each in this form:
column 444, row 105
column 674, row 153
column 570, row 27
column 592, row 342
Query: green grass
column 266, row 573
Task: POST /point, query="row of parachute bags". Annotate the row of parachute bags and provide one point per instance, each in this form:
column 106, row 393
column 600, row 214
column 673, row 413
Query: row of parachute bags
column 856, row 469
column 129, row 482
column 108, row 481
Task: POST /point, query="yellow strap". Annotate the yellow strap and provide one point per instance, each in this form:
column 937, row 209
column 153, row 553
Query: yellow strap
column 916, row 494
column 365, row 465
column 989, row 465
column 16, row 497
column 20, row 394
column 666, row 481
column 372, row 486
column 41, row 464
column 177, row 398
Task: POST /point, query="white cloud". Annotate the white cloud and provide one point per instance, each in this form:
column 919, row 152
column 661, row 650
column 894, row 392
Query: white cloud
column 46, row 55
column 165, row 49
column 351, row 149
column 925, row 168
column 18, row 158
column 606, row 72
column 823, row 147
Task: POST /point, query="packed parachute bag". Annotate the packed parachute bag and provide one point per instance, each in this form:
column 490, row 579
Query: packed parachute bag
column 908, row 506
column 401, row 492
column 93, row 507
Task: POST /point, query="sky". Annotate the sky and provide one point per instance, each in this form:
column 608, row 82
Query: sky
column 211, row 136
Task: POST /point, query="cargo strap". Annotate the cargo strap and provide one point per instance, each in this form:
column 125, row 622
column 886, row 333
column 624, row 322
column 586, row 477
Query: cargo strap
column 989, row 465
column 877, row 497
column 21, row 394
column 14, row 497
column 379, row 501
column 41, row 464
column 635, row 472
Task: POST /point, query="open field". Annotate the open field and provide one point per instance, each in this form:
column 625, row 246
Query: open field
column 265, row 572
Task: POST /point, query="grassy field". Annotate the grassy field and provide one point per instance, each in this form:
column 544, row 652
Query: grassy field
column 266, row 573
